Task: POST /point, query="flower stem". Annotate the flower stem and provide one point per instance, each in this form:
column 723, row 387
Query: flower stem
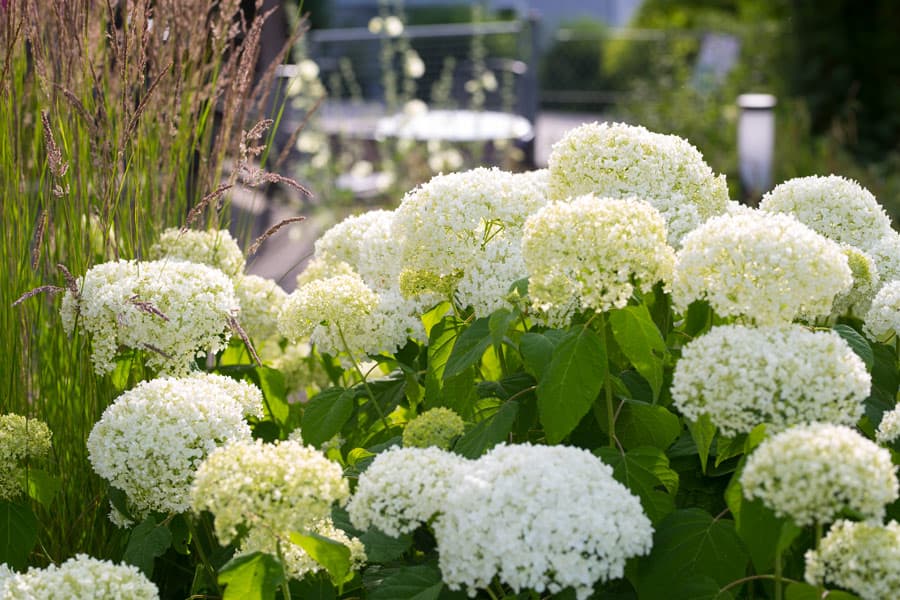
column 607, row 385
column 778, row 578
column 365, row 381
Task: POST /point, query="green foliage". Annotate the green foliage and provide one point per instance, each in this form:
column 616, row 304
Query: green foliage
column 148, row 541
column 254, row 576
column 18, row 534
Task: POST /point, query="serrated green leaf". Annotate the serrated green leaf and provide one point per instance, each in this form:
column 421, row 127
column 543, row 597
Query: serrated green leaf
column 271, row 382
column 639, row 339
column 537, row 351
column 857, row 343
column 147, row 541
column 571, row 382
column 325, row 414
column 488, row 433
column 254, row 576
column 332, row 555
column 440, row 344
column 642, row 424
column 382, row 548
column 644, row 471
column 499, row 323
column 690, row 543
column 702, row 431
column 18, row 534
column 469, row 347
column 42, row 487
column 420, row 582
column 761, row 531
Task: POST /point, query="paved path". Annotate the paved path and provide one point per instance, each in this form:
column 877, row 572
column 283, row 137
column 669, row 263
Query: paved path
column 286, row 253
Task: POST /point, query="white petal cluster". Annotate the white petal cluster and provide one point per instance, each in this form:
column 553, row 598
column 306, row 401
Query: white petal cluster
column 366, row 243
column 119, row 302
column 465, row 229
column 542, row 518
column 403, row 488
column 81, row 578
column 248, row 396
column 811, row 473
column 591, row 253
column 861, row 557
column 838, row 208
column 151, row 439
column 21, row 440
column 866, row 282
column 279, row 487
column 889, row 428
column 779, row 375
column 329, row 312
column 886, row 254
column 762, row 267
column 5, row 575
column 621, row 161
column 261, row 300
column 215, row 248
column 297, row 563
column 883, row 319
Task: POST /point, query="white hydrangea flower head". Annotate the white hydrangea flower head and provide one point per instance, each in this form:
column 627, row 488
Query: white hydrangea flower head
column 21, row 440
column 366, row 243
column 866, row 282
column 882, row 322
column 457, row 228
column 779, row 375
column 886, row 253
column 861, row 557
column 591, row 253
column 811, row 473
column 621, row 161
column 838, row 208
column 6, row 574
column 760, row 267
column 320, row 268
column 541, row 518
column 261, row 300
column 247, row 395
column 404, row 488
column 171, row 309
column 279, row 487
column 297, row 563
column 889, row 428
column 151, row 439
column 81, row 578
column 215, row 248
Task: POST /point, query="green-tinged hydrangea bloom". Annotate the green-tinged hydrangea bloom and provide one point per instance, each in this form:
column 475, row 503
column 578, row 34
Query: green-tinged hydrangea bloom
column 883, row 319
column 541, row 518
column 321, row 268
column 812, row 473
column 838, row 208
column 261, row 300
column 591, row 253
column 436, row 427
column 464, row 229
column 886, row 254
column 81, row 578
column 215, row 248
column 302, row 369
column 866, row 282
column 403, row 488
column 621, row 161
column 297, row 563
column 21, row 440
column 889, row 428
column 171, row 309
column 279, row 487
column 151, row 439
column 760, row 267
column 781, row 375
column 861, row 557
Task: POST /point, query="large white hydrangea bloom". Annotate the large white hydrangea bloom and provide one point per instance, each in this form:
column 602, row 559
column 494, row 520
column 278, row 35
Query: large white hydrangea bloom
column 621, row 161
column 886, row 253
column 861, row 557
column 404, row 488
column 838, row 208
column 171, row 309
column 215, row 248
column 883, row 319
column 81, row 578
column 761, row 267
column 591, row 253
column 261, row 300
column 780, row 375
column 462, row 233
column 813, row 472
column 541, row 518
column 280, row 487
column 151, row 439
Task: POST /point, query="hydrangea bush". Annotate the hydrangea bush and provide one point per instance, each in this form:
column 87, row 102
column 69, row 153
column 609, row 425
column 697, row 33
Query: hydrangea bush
column 599, row 380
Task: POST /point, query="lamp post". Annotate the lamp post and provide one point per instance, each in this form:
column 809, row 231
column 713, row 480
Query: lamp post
column 756, row 144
